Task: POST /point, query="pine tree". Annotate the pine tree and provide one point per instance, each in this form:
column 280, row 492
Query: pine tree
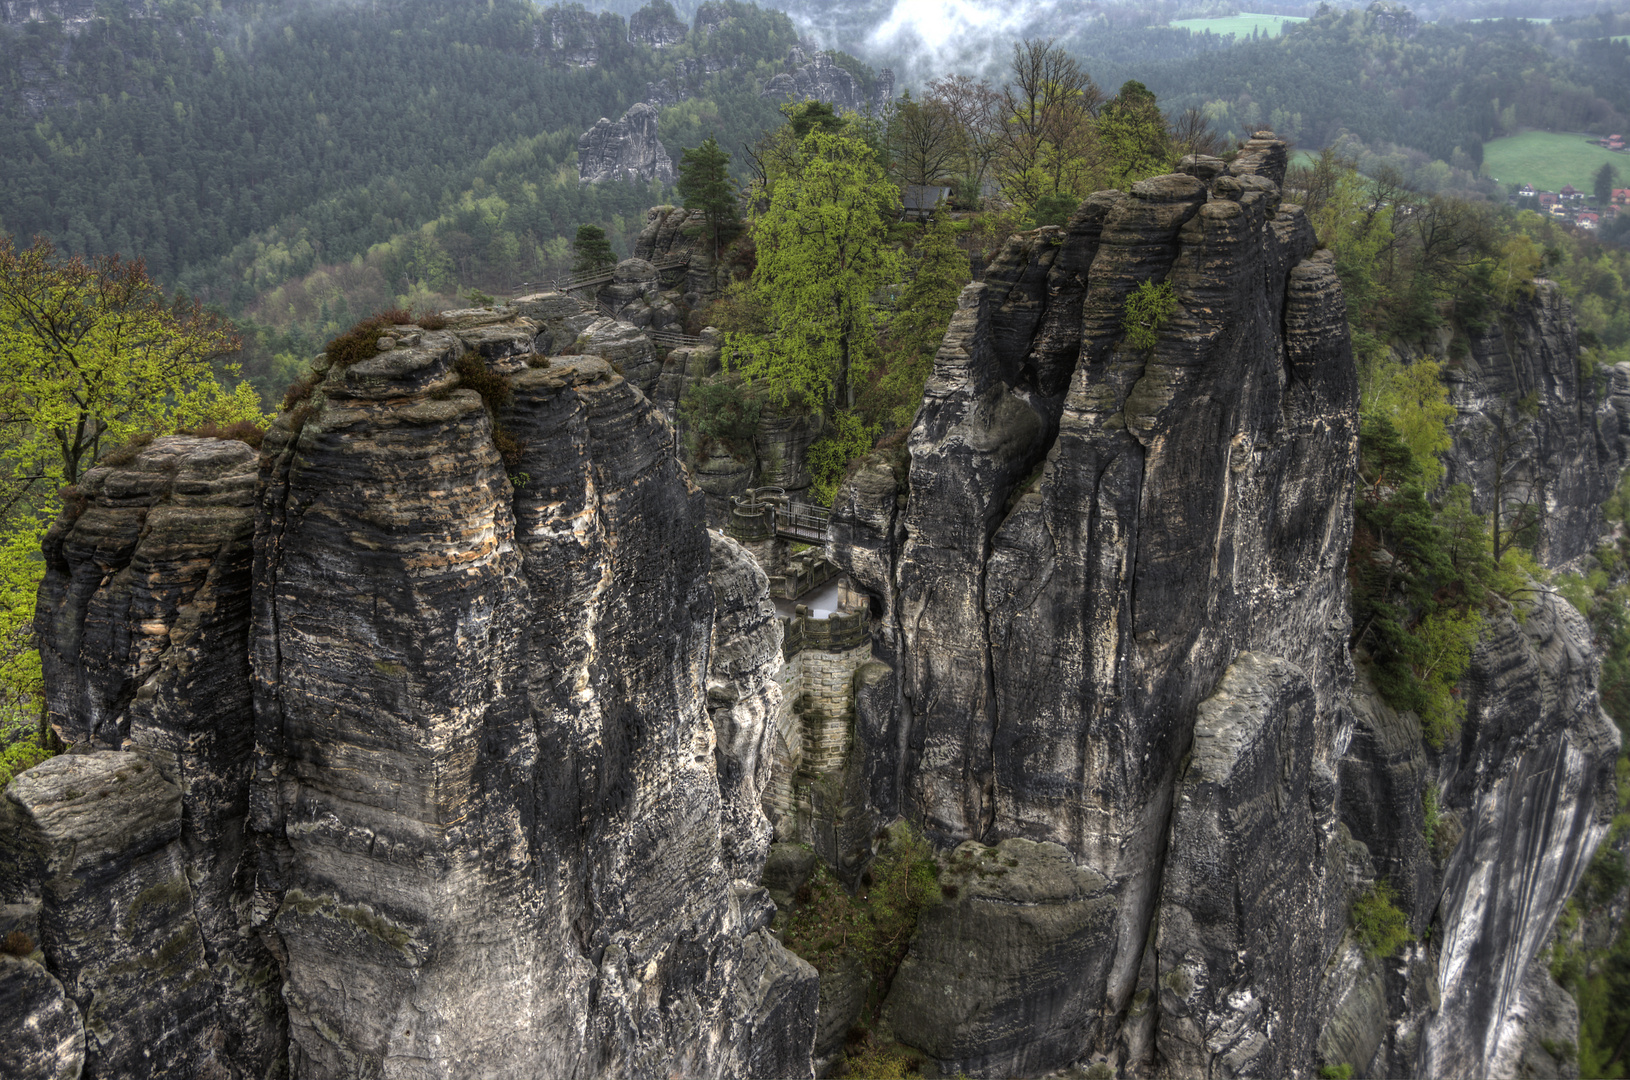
column 704, row 184
column 591, row 250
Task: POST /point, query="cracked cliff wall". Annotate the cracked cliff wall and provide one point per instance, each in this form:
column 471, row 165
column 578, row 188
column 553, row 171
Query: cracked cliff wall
column 1113, row 610
column 467, row 756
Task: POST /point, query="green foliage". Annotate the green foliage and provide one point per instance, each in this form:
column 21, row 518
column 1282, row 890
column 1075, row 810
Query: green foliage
column 361, row 342
column 1343, row 1071
column 1132, row 137
column 875, row 1059
column 1420, row 578
column 720, row 411
column 823, row 252
column 1380, row 927
column 1147, row 309
column 875, row 926
column 847, row 438
column 1431, row 813
column 1054, row 209
column 938, row 271
column 591, row 250
column 704, row 184
column 91, row 352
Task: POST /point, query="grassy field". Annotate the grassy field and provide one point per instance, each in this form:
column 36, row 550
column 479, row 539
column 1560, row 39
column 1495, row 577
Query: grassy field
column 1241, row 25
column 1549, row 160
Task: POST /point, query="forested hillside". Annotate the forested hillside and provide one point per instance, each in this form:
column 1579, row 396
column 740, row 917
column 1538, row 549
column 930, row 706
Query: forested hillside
column 233, row 148
column 1383, row 76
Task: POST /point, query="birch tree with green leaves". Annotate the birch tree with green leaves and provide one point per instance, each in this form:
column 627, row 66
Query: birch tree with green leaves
column 823, row 256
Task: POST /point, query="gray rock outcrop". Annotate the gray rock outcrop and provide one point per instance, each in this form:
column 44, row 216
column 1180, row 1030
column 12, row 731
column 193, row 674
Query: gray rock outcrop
column 823, row 79
column 626, row 149
column 1531, row 434
column 1094, row 533
column 1110, row 613
column 657, row 26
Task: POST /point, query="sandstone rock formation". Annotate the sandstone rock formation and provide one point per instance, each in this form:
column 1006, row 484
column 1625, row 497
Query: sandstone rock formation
column 656, row 25
column 822, row 79
column 672, row 231
column 1531, row 433
column 496, row 824
column 570, row 35
column 1112, row 599
column 627, row 149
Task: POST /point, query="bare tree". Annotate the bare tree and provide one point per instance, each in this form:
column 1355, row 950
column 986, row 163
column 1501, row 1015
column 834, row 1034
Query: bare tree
column 925, row 142
column 1314, row 185
column 975, row 106
column 1047, row 109
column 1191, row 134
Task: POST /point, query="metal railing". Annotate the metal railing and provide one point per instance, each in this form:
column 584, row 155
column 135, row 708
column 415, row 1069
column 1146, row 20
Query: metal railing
column 671, row 339
column 801, row 521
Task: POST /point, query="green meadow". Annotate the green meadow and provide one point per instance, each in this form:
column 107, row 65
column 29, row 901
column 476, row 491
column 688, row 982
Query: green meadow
column 1550, row 160
column 1240, row 25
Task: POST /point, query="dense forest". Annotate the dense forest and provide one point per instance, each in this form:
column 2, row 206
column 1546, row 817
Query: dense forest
column 234, row 149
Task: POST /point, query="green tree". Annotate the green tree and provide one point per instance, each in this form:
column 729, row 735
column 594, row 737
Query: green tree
column 939, row 270
column 92, row 354
column 704, row 184
column 1047, row 109
column 823, row 253
column 591, row 250
column 1132, row 138
column 1603, row 183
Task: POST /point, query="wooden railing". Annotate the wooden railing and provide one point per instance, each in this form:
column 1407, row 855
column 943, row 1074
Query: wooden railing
column 606, row 273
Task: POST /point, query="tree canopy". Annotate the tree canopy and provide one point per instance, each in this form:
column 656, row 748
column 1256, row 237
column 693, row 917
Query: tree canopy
column 91, row 354
column 823, row 254
column 591, row 250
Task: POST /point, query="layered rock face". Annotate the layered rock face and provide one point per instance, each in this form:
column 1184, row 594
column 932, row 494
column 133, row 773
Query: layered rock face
column 1521, row 799
column 626, row 149
column 531, row 875
column 1531, row 435
column 1095, row 537
column 502, row 807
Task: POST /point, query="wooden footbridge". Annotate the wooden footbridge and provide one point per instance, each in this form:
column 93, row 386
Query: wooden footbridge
column 605, row 274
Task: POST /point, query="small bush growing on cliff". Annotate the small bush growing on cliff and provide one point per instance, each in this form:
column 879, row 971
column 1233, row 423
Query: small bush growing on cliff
column 495, row 392
column 1381, row 928
column 361, row 342
column 17, row 943
column 875, row 926
column 877, row 1059
column 247, row 431
column 847, row 438
column 1147, row 309
column 721, row 413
